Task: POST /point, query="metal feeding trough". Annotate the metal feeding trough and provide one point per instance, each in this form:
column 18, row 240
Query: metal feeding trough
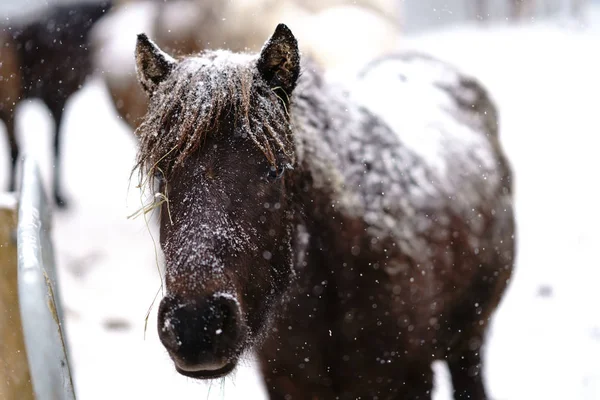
column 33, row 346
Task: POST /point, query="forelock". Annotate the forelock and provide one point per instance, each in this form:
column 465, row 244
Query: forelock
column 200, row 94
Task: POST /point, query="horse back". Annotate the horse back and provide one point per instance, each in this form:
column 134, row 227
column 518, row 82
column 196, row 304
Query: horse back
column 446, row 119
column 454, row 227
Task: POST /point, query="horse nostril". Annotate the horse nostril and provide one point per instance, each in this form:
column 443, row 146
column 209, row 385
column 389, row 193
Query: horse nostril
column 168, row 323
column 204, row 332
column 226, row 315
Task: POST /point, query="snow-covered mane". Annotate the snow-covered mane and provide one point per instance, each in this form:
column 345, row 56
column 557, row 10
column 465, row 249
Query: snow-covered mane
column 202, row 95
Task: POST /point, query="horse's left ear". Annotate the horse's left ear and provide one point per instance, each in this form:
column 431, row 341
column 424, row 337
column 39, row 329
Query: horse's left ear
column 152, row 64
column 279, row 61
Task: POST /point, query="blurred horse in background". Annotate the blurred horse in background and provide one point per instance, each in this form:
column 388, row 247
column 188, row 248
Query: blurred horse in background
column 335, row 33
column 46, row 57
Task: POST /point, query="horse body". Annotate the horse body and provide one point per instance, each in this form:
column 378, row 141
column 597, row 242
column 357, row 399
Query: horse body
column 409, row 238
column 51, row 59
column 386, row 246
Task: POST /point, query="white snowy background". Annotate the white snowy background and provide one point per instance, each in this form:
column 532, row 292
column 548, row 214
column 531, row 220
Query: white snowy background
column 544, row 342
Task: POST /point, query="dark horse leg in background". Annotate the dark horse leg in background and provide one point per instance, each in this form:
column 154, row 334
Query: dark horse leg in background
column 54, row 61
column 57, row 106
column 9, row 121
column 11, row 93
column 465, row 358
column 466, row 368
column 8, row 117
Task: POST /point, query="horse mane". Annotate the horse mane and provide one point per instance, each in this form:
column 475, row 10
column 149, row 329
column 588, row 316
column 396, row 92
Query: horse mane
column 207, row 94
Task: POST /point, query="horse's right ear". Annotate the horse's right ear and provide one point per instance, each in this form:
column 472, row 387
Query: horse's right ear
column 279, row 61
column 152, row 64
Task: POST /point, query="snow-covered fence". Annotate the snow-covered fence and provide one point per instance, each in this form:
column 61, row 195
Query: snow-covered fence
column 41, row 325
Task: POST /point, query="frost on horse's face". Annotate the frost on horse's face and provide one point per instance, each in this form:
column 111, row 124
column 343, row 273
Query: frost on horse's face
column 218, row 133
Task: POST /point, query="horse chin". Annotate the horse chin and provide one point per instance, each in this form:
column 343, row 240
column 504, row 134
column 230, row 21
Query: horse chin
column 208, row 371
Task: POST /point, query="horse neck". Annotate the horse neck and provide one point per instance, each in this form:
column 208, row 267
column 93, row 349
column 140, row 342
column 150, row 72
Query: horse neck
column 345, row 156
column 319, row 112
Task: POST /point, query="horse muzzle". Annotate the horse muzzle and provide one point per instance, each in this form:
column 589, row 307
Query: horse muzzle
column 204, row 336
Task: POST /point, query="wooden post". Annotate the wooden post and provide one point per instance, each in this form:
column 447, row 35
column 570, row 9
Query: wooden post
column 15, row 378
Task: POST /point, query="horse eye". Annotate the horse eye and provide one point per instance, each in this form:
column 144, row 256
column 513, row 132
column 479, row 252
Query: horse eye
column 275, row 173
column 159, row 177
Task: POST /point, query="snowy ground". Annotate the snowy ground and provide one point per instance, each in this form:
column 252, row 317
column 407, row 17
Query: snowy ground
column 545, row 339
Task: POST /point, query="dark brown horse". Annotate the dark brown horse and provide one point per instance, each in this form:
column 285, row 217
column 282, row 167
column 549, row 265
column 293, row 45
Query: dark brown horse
column 350, row 238
column 46, row 58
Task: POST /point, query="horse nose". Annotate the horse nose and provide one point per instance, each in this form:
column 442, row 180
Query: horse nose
column 200, row 335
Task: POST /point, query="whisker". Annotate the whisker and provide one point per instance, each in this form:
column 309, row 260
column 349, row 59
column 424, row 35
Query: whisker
column 150, row 310
column 143, row 211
